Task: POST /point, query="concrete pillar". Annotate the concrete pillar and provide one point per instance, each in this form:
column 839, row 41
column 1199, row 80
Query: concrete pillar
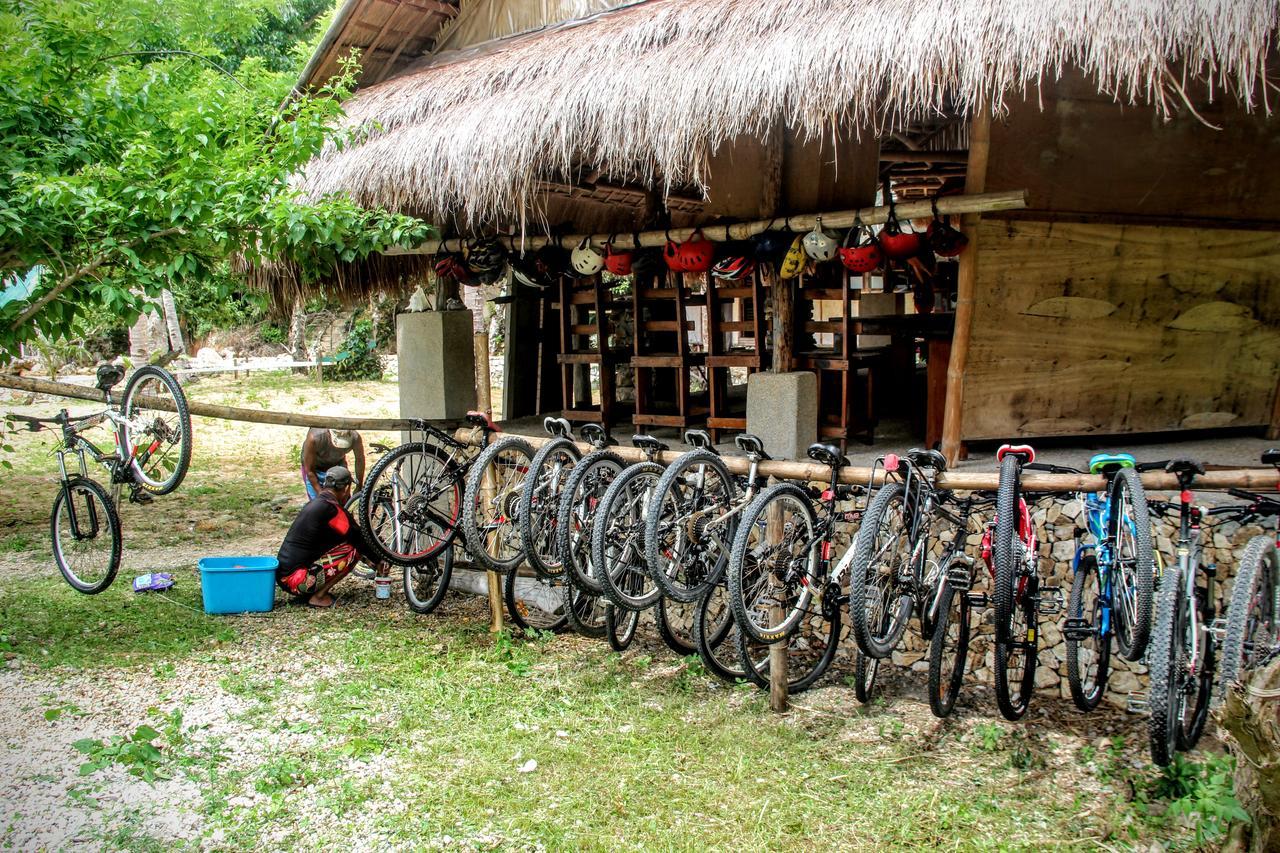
column 437, row 364
column 782, row 411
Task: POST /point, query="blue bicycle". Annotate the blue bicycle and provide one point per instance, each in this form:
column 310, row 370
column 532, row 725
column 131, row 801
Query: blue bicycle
column 1114, row 573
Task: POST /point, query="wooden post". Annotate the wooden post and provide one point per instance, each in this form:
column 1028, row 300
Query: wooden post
column 974, row 182
column 783, row 342
column 778, row 677
column 484, row 402
column 320, row 366
column 1273, row 431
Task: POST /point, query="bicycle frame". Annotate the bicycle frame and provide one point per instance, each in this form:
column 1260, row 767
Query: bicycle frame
column 75, row 443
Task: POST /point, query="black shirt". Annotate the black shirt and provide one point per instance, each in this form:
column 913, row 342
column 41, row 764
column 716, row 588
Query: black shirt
column 321, row 525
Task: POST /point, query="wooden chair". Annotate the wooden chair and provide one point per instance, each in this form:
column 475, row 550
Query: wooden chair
column 585, row 309
column 663, row 359
column 737, row 337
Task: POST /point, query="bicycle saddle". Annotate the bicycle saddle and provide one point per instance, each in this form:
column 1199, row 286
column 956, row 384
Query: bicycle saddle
column 109, row 376
column 699, row 438
column 927, row 459
column 480, row 419
column 595, row 435
column 1022, row 451
column 750, row 444
column 648, row 443
column 827, row 454
column 1183, row 467
column 1271, row 457
column 558, row 427
column 1109, row 463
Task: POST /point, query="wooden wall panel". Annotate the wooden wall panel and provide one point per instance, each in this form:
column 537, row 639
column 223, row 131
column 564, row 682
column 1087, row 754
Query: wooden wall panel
column 1082, row 328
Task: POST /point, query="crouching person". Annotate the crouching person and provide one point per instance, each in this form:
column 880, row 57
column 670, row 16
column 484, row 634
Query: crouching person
column 323, row 543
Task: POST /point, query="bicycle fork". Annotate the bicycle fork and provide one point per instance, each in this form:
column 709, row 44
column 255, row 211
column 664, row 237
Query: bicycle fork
column 74, row 514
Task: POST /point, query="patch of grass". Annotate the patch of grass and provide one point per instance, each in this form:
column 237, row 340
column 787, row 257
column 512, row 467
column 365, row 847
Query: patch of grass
column 16, row 543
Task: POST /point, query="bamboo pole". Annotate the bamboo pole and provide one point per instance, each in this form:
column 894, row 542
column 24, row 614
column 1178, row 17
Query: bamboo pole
column 975, row 182
column 484, row 402
column 950, row 205
column 778, row 675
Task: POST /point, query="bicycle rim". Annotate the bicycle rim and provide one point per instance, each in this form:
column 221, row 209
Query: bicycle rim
column 158, row 438
column 410, row 505
column 1016, row 659
column 618, row 539
column 534, row 603
column 540, row 504
column 686, row 542
column 426, row 585
column 86, row 550
column 768, row 576
column 948, row 650
column 1088, row 657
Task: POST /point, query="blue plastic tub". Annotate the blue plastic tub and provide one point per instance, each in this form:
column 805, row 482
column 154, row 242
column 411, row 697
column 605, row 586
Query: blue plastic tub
column 238, row 584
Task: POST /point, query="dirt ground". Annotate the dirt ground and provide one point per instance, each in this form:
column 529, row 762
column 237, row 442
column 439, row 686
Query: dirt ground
column 372, row 728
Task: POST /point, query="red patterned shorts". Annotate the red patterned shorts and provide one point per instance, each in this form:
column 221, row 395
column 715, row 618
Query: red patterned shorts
column 335, row 564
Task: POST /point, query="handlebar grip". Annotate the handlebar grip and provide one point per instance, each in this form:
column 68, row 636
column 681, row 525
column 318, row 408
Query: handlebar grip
column 1151, row 466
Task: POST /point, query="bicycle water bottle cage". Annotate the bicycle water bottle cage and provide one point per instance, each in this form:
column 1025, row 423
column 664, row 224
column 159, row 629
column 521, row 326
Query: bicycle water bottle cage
column 109, row 376
column 750, row 445
column 595, row 435
column 483, row 421
column 1109, row 463
column 1271, row 457
column 650, row 445
column 698, row 438
column 927, row 459
column 1022, row 451
column 557, row 427
column 826, row 454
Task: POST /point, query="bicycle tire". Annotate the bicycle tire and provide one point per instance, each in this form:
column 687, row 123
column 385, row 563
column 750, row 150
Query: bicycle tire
column 748, row 594
column 1195, row 711
column 182, row 422
column 497, row 546
column 684, row 577
column 434, row 501
column 620, row 626
column 1014, row 705
column 945, row 680
column 865, row 671
column 97, row 499
column 584, row 611
column 1002, row 544
column 436, row 572
column 1163, row 660
column 1087, row 688
column 617, row 539
column 877, row 643
column 526, row 611
column 814, row 663
column 540, row 510
column 1131, row 639
column 673, row 621
column 578, row 515
column 1259, row 568
column 715, row 636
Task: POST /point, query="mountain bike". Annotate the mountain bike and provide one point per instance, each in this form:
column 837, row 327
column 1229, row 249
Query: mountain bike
column 1253, row 614
column 584, row 486
column 152, row 432
column 540, row 499
column 1112, row 577
column 617, row 543
column 411, row 504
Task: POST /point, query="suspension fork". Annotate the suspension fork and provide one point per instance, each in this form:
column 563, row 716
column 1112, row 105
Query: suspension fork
column 68, row 498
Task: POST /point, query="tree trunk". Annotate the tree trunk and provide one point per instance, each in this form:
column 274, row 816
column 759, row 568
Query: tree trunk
column 177, row 346
column 1252, row 716
column 298, row 332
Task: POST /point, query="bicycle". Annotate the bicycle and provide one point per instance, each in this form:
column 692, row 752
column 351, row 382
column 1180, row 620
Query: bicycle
column 617, row 537
column 1112, row 577
column 540, row 499
column 1253, row 613
column 152, row 432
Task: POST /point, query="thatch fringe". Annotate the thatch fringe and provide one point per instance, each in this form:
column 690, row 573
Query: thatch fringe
column 346, row 282
column 662, row 84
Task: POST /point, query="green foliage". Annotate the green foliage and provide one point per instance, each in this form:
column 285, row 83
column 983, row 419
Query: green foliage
column 218, row 301
column 360, row 360
column 273, row 334
column 136, row 752
column 1201, row 793
column 131, row 160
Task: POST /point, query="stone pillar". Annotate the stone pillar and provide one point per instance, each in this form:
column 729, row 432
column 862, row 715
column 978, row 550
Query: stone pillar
column 782, row 411
column 437, row 364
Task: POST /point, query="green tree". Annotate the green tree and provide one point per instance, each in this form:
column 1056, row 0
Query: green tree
column 131, row 159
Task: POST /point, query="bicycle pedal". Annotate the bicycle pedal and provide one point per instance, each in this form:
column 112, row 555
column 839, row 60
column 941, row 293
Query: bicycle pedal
column 138, row 496
column 977, row 599
column 1137, row 703
column 1077, row 629
column 1218, row 629
column 1054, row 604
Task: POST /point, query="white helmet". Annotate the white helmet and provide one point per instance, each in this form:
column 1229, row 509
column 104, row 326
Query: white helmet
column 820, row 245
column 587, row 259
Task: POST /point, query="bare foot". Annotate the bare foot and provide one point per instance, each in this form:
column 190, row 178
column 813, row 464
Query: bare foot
column 321, row 600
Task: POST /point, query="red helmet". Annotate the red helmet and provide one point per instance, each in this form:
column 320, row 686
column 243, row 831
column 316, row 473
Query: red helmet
column 943, row 239
column 696, row 253
column 671, row 254
column 618, row 263
column 453, row 265
column 859, row 256
column 897, row 244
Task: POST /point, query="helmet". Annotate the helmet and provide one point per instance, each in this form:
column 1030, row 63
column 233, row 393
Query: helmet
column 618, row 263
column 793, row 263
column 943, row 239
column 897, row 244
column 587, row 258
column 856, row 255
column 671, row 254
column 486, row 258
column 696, row 253
column 452, row 265
column 645, row 263
column 770, row 245
column 734, row 268
column 551, row 259
column 526, row 270
column 818, row 244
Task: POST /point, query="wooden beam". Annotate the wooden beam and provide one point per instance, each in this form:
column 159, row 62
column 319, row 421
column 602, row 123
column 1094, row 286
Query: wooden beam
column 975, row 182
column 923, row 156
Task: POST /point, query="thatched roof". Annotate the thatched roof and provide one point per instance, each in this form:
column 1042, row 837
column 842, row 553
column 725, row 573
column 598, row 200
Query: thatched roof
column 647, row 92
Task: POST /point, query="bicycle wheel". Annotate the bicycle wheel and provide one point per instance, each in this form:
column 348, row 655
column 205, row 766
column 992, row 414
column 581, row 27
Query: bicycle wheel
column 617, row 538
column 682, row 549
column 674, row 623
column 1197, row 685
column 811, row 648
column 865, row 670
column 878, row 608
column 769, row 586
column 490, row 506
column 584, row 611
column 715, row 633
column 1088, row 645
column 620, row 626
column 1132, row 564
column 1166, row 659
column 948, row 650
column 540, row 504
column 426, row 584
column 1016, row 656
column 85, row 532
column 411, row 504
column 157, row 440
column 1006, row 545
column 534, row 603
column 583, row 489
column 1251, row 615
